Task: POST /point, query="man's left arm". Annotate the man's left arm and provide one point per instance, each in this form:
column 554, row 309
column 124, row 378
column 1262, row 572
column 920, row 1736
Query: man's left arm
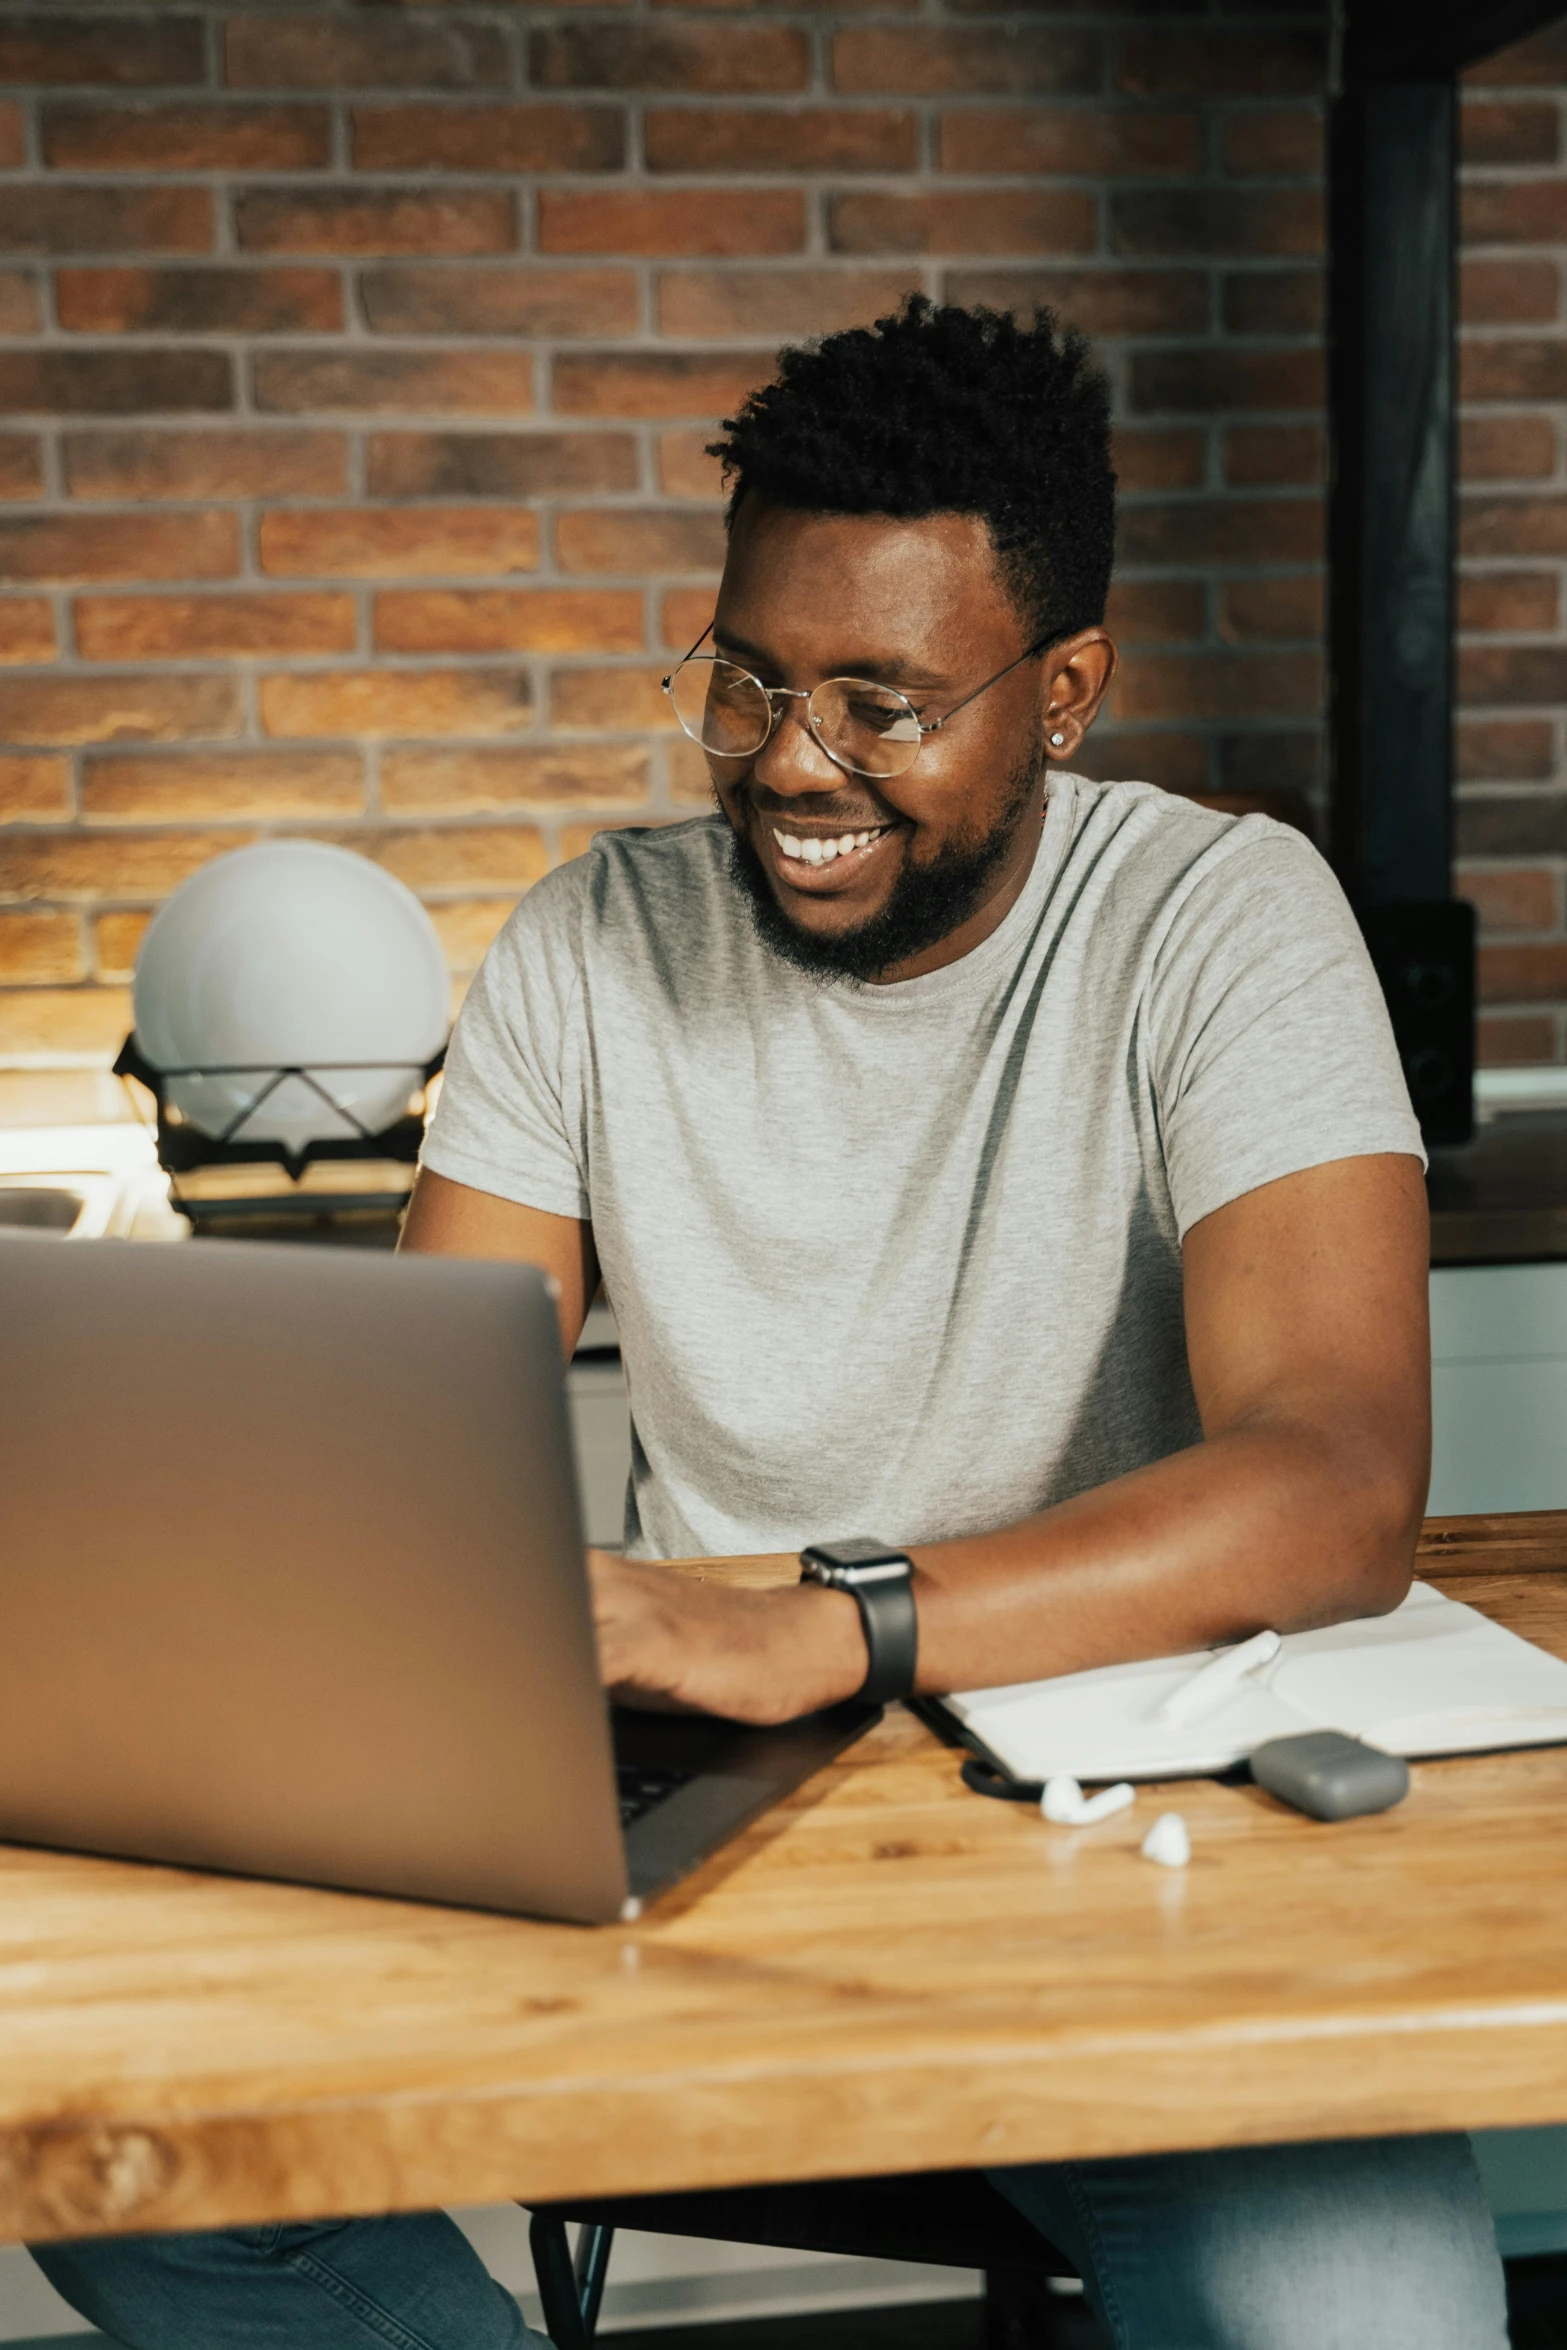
column 1306, row 1333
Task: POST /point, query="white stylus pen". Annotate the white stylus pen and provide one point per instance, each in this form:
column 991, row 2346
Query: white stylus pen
column 1215, row 1681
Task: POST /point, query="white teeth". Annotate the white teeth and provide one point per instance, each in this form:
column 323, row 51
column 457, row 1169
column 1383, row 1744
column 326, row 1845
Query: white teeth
column 829, row 851
column 787, row 842
column 813, row 851
column 862, row 840
column 845, row 844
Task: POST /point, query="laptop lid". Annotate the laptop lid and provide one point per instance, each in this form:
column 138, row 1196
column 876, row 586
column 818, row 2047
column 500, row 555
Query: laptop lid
column 291, row 1573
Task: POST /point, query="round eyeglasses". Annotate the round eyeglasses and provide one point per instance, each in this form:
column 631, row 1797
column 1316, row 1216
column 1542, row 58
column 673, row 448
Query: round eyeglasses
column 864, row 728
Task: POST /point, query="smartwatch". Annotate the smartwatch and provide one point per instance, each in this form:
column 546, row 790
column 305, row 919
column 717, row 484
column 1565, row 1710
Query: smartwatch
column 881, row 1582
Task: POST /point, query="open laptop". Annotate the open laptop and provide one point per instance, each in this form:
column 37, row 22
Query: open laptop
column 292, row 1583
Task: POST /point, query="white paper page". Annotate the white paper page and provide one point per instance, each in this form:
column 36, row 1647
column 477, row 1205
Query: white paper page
column 1434, row 1677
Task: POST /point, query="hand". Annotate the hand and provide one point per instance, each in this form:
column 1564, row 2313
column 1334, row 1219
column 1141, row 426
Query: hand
column 670, row 1644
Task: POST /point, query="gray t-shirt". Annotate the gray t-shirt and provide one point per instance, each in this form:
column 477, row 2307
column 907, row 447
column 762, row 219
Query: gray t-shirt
column 906, row 1260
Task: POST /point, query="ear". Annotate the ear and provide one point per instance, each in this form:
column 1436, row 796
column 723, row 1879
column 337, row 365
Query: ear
column 1077, row 673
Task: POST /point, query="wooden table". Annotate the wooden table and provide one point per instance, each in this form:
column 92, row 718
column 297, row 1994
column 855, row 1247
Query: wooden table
column 888, row 1973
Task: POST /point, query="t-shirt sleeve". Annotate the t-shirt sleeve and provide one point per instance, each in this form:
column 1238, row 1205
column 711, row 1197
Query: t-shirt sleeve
column 1272, row 1050
column 507, row 1121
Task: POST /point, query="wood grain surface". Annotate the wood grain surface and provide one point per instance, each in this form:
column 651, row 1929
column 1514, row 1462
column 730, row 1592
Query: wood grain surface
column 887, row 1973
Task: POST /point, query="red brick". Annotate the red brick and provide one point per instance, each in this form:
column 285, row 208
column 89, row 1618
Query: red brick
column 610, row 698
column 1505, row 750
column 199, row 301
column 1541, row 58
column 1491, row 131
column 1157, row 611
column 1125, row 143
column 723, row 303
column 220, row 786
column 1532, row 525
column 1201, row 381
column 942, row 61
column 116, row 942
column 1099, row 301
column 1222, row 530
column 376, row 703
column 21, row 466
column 1219, row 64
column 379, row 50
column 1517, row 1043
column 1176, row 762
column 132, row 708
column 1506, row 448
column 1158, row 457
column 383, row 220
column 1513, row 212
column 507, row 138
column 54, row 219
column 494, row 782
column 105, row 865
column 70, row 547
column 33, row 791
column 813, row 139
column 74, row 51
column 639, row 539
column 188, row 628
column 1520, row 897
column 520, row 301
column 1010, row 220
column 26, row 629
column 37, row 948
column 690, row 781
column 13, row 136
column 1523, row 974
column 1174, row 223
column 1508, row 602
column 198, row 463
column 1514, row 824
column 720, row 59
column 1213, row 685
column 1490, row 674
column 1274, row 456
column 64, row 1020
column 1253, row 611
column 190, row 137
column 1509, row 293
column 658, row 383
column 366, row 542
column 19, row 312
column 508, row 620
column 1520, row 367
column 394, row 383
column 497, row 464
column 456, row 856
column 1275, row 302
column 671, row 220
column 685, row 615
column 466, row 927
column 113, row 383
column 685, row 470
column 1277, row 142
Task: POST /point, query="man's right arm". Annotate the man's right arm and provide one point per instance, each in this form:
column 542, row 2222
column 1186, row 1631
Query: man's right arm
column 454, row 1220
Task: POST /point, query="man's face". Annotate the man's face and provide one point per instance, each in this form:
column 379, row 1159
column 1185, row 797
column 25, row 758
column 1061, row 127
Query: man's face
column 919, row 606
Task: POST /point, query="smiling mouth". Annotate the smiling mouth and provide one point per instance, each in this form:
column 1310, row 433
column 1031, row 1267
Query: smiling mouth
column 816, row 848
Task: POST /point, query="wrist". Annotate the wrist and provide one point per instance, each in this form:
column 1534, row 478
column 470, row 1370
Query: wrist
column 834, row 1655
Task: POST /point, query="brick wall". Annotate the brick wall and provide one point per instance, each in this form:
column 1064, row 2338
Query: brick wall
column 356, row 361
column 1512, row 818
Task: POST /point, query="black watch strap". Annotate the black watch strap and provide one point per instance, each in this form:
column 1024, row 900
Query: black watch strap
column 881, row 1581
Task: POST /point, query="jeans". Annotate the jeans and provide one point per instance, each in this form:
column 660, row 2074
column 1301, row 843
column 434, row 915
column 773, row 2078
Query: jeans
column 1381, row 2244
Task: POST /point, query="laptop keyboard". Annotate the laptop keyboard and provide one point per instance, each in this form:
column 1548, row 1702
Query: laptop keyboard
column 641, row 1786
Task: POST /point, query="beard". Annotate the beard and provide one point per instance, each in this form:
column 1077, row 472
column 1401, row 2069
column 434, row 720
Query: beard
column 927, row 904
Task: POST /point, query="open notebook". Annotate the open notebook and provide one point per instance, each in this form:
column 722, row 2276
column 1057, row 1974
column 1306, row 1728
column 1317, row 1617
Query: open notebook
column 1434, row 1677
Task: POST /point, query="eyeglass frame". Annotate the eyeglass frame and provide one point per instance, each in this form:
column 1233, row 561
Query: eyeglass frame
column 774, row 694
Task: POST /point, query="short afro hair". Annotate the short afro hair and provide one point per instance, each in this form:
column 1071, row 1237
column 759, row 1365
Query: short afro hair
column 938, row 410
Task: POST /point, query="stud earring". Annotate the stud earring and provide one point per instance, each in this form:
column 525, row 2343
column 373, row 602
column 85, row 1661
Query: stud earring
column 1058, row 740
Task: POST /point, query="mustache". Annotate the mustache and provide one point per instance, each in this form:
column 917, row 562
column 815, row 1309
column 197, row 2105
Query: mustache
column 810, row 807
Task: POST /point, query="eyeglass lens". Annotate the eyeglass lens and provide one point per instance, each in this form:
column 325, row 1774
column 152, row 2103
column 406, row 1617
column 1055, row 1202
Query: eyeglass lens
column 867, row 728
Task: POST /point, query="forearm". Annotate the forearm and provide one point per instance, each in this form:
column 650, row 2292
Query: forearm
column 1281, row 1524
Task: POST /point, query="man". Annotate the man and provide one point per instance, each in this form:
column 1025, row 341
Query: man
column 1008, row 1166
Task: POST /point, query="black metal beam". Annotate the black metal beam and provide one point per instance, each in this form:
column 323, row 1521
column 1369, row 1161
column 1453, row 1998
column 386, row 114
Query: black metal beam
column 1426, row 40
